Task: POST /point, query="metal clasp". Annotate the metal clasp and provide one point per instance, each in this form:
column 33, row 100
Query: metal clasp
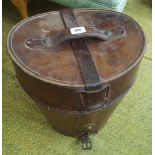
column 86, row 143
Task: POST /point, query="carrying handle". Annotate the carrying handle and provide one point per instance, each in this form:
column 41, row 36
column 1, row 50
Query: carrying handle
column 57, row 38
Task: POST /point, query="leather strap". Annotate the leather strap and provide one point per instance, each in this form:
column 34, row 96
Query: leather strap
column 83, row 56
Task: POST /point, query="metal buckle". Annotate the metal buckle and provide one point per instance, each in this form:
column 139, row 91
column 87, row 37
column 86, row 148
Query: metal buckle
column 86, row 143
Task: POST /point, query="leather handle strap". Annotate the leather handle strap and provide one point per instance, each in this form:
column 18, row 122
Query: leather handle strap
column 83, row 56
column 53, row 40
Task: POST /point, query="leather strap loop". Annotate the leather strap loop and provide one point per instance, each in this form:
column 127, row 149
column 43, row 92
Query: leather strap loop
column 82, row 53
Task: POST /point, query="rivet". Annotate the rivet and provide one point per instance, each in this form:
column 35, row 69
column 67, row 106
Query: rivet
column 89, row 127
column 28, row 42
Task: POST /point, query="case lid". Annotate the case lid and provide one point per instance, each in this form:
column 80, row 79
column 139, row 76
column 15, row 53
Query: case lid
column 47, row 46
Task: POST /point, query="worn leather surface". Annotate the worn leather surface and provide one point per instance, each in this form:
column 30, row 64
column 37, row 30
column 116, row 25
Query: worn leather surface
column 128, row 131
column 59, row 65
column 52, row 77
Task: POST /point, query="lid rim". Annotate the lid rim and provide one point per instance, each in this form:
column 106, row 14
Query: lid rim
column 65, row 83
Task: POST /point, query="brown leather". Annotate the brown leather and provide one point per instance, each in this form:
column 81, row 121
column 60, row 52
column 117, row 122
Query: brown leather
column 53, row 78
column 110, row 57
column 64, row 35
column 87, row 68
